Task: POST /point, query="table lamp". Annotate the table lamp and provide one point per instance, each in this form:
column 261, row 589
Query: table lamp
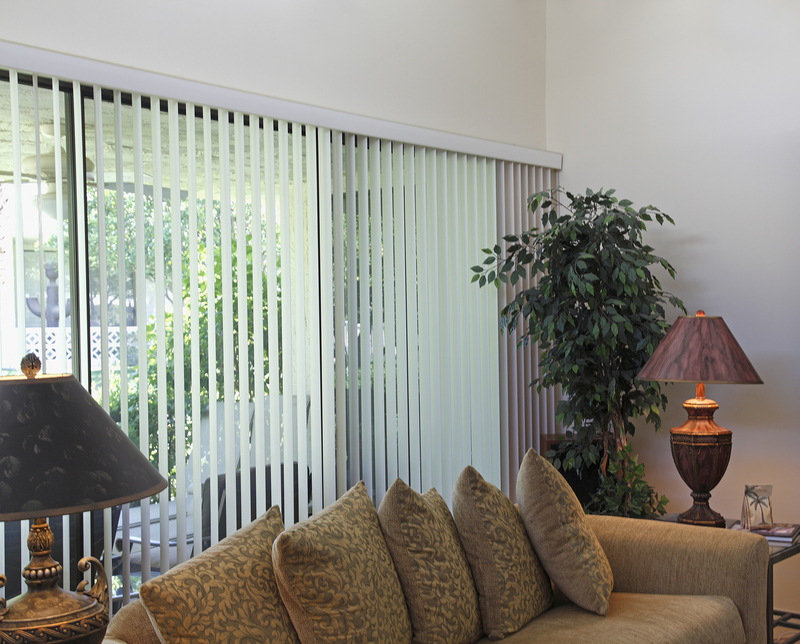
column 60, row 453
column 702, row 350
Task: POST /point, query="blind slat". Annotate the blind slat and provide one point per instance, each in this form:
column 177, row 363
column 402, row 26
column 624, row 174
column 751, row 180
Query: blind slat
column 228, row 378
column 353, row 359
column 364, row 317
column 259, row 323
column 401, row 315
column 160, row 332
column 329, row 330
column 242, row 490
column 194, row 333
column 412, row 326
column 389, row 299
column 340, row 312
column 317, row 430
column 211, row 306
column 297, row 421
column 287, row 297
column 141, row 317
column 377, row 328
column 273, row 338
column 177, row 339
column 425, row 279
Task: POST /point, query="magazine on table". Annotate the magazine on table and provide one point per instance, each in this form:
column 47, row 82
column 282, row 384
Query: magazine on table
column 780, row 532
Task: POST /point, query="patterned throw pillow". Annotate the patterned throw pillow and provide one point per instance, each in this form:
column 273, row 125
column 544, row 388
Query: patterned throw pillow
column 432, row 566
column 563, row 539
column 226, row 593
column 513, row 588
column 337, row 579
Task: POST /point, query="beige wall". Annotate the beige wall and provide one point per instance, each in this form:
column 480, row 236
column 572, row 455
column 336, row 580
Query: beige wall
column 463, row 66
column 695, row 108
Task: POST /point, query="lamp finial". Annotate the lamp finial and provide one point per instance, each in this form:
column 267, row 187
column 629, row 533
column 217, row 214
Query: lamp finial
column 30, row 365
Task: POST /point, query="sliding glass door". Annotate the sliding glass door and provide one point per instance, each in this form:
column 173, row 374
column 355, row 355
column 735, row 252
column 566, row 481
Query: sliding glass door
column 270, row 310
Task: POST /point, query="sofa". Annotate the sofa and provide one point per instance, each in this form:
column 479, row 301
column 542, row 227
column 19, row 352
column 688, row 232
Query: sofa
column 414, row 570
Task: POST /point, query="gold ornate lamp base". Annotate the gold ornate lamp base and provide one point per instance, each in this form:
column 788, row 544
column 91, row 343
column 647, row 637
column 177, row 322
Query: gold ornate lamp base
column 46, row 613
column 701, row 450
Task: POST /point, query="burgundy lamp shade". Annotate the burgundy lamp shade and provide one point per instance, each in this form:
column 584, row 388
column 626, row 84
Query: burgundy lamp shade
column 61, row 453
column 700, row 349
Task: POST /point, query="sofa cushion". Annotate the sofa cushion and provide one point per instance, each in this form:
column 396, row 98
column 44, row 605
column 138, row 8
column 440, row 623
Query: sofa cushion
column 227, row 592
column 561, row 536
column 337, row 579
column 634, row 618
column 432, row 566
column 513, row 588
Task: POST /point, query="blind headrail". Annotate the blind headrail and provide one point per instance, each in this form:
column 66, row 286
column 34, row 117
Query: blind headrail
column 83, row 70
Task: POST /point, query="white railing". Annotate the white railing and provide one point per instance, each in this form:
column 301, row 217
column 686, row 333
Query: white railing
column 33, row 342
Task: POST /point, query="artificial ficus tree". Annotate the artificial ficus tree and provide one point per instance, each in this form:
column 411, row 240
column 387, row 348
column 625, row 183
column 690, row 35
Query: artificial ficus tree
column 596, row 309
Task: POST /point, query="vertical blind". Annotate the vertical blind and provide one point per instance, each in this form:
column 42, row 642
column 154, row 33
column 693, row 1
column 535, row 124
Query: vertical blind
column 272, row 311
column 527, row 417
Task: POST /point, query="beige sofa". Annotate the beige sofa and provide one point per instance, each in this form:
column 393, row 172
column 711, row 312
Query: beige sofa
column 671, row 583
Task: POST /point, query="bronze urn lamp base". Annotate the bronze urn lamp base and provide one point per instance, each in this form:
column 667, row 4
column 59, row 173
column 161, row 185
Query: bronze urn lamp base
column 46, row 613
column 701, row 450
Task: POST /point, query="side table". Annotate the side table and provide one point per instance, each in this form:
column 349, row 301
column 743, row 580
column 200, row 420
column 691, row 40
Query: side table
column 776, row 618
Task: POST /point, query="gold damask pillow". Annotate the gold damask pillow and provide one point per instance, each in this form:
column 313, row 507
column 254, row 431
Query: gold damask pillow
column 337, row 579
column 226, row 593
column 513, row 588
column 432, row 566
column 563, row 539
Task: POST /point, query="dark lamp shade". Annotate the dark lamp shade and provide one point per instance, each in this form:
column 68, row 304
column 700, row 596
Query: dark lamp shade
column 699, row 349
column 61, row 453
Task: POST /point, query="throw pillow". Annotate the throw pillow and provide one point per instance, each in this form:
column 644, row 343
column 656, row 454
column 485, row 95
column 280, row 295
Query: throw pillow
column 337, row 579
column 432, row 566
column 226, row 593
column 563, row 539
column 513, row 588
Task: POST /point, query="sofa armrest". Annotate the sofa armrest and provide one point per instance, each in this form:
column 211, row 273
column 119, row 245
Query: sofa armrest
column 131, row 625
column 658, row 557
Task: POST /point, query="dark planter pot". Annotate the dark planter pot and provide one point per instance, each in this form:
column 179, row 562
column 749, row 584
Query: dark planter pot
column 584, row 483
